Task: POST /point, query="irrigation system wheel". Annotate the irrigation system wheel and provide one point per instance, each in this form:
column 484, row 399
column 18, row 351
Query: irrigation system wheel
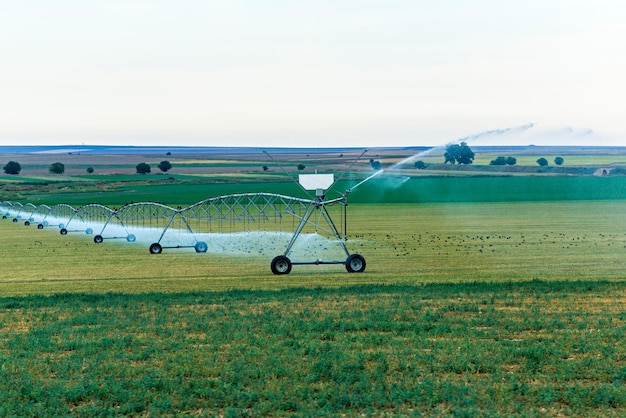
column 63, row 231
column 14, row 219
column 98, row 239
column 27, row 223
column 88, row 231
column 156, row 248
column 281, row 264
column 131, row 238
column 201, row 247
column 39, row 226
column 355, row 263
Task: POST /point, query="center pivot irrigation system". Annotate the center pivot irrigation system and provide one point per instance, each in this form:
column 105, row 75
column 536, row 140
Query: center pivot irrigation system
column 249, row 219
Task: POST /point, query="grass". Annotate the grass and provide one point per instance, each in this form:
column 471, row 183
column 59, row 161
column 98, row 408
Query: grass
column 387, row 188
column 473, row 308
column 402, row 244
column 527, row 349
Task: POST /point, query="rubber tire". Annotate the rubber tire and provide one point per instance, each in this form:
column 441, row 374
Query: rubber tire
column 88, row 231
column 63, row 231
column 201, row 247
column 281, row 264
column 27, row 223
column 98, row 239
column 355, row 263
column 156, row 248
column 14, row 219
column 131, row 238
column 40, row 226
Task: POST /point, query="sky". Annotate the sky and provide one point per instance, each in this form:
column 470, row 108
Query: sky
column 321, row 73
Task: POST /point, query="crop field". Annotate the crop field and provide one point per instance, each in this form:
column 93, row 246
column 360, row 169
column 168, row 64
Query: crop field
column 476, row 308
column 398, row 187
column 571, row 160
column 482, row 296
column 403, row 244
column 499, row 349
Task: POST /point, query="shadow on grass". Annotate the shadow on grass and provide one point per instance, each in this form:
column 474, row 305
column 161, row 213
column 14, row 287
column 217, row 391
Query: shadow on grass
column 425, row 290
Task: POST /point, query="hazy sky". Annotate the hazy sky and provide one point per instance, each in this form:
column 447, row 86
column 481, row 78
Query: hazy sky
column 312, row 73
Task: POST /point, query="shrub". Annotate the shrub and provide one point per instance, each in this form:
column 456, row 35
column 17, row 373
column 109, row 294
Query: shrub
column 12, row 167
column 164, row 166
column 498, row 161
column 143, row 168
column 57, row 168
column 504, row 161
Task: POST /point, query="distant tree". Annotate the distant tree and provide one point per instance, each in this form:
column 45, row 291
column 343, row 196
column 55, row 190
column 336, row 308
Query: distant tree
column 542, row 162
column 143, row 168
column 168, row 153
column 451, row 152
column 376, row 165
column 90, row 170
column 265, row 168
column 558, row 160
column 301, row 167
column 459, row 153
column 12, row 167
column 57, row 168
column 504, row 161
column 498, row 161
column 164, row 166
column 420, row 165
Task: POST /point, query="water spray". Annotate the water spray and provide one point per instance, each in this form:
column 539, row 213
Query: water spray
column 379, row 172
column 422, row 154
column 498, row 132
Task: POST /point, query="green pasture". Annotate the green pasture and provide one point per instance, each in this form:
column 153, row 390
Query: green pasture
column 476, row 349
column 389, row 187
column 498, row 296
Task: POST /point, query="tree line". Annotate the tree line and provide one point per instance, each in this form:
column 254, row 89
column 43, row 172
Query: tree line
column 14, row 168
column 463, row 154
column 455, row 154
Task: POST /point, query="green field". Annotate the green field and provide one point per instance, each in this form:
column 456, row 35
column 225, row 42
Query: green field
column 483, row 296
column 387, row 188
column 501, row 349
